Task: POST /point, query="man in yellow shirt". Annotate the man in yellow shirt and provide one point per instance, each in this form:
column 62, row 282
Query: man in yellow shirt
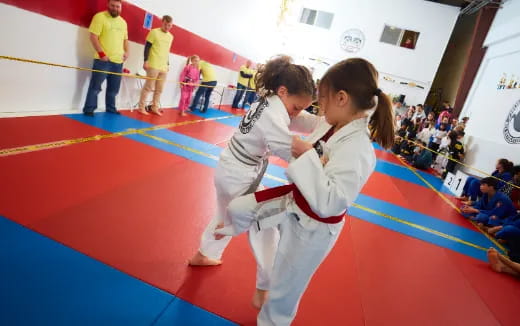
column 243, row 81
column 109, row 37
column 208, row 79
column 156, row 63
column 251, row 89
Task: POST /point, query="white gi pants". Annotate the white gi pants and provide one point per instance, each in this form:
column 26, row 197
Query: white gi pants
column 231, row 181
column 304, row 244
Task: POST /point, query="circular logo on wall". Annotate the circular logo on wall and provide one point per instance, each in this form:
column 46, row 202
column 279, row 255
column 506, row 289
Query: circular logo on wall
column 352, row 40
column 512, row 125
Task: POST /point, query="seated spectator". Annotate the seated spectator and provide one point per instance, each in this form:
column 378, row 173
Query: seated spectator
column 407, row 149
column 425, row 135
column 501, row 264
column 444, row 121
column 398, row 121
column 463, row 122
column 509, row 233
column 407, row 121
column 454, row 123
column 412, row 129
column 493, row 208
column 437, row 138
column 515, row 191
column 419, row 113
column 396, row 148
column 446, row 112
column 430, row 119
column 402, row 131
column 503, row 171
column 423, row 158
column 509, row 189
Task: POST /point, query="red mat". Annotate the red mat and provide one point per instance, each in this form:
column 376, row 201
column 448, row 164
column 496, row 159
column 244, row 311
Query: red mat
column 23, row 131
column 414, row 197
column 142, row 210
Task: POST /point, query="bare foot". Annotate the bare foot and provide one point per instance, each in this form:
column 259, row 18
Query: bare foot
column 200, row 260
column 157, row 112
column 494, row 260
column 184, row 114
column 143, row 111
column 259, row 298
column 509, row 267
column 494, row 230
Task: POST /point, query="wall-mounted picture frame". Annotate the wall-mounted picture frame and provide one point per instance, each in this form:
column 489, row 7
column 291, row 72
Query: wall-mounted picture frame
column 400, row 37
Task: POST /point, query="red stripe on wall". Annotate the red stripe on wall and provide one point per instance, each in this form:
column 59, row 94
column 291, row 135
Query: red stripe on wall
column 81, row 12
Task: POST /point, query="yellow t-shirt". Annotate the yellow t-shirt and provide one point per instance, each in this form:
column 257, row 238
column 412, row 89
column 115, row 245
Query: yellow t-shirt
column 112, row 33
column 208, row 73
column 241, row 80
column 252, row 83
column 160, row 51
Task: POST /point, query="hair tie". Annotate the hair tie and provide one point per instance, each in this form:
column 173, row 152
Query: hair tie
column 377, row 92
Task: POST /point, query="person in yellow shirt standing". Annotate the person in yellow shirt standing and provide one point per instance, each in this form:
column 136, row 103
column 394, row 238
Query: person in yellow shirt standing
column 251, row 89
column 243, row 81
column 209, row 81
column 109, row 37
column 156, row 63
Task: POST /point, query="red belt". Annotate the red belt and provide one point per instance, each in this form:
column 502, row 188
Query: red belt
column 280, row 191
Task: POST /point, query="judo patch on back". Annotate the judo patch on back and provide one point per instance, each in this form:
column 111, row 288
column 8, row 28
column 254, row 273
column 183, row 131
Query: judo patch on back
column 252, row 116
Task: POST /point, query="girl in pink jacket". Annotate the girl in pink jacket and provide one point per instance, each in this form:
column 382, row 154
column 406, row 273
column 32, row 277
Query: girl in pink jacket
column 189, row 77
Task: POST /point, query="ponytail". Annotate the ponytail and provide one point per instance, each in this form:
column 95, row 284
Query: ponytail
column 382, row 121
column 358, row 78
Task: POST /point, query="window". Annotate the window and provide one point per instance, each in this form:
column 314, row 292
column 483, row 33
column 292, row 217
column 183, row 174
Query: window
column 317, row 18
column 400, row 37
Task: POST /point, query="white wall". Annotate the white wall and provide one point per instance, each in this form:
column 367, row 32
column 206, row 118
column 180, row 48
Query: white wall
column 488, row 107
column 247, row 27
column 250, row 27
column 28, row 88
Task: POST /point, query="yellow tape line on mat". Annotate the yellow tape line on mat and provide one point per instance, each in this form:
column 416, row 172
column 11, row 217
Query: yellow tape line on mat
column 449, row 202
column 67, row 142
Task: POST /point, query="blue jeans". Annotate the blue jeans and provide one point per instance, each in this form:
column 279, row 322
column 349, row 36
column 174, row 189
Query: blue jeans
column 249, row 98
column 238, row 95
column 203, row 91
column 113, row 84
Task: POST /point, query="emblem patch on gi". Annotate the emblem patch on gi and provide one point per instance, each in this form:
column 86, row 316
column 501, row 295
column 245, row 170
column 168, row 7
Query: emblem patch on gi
column 248, row 121
column 512, row 125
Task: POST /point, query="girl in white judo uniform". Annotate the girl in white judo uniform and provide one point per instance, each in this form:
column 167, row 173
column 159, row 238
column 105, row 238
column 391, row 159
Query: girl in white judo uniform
column 287, row 90
column 309, row 213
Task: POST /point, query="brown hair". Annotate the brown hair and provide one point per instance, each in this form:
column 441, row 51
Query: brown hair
column 167, row 19
column 280, row 71
column 506, row 164
column 358, row 78
column 190, row 58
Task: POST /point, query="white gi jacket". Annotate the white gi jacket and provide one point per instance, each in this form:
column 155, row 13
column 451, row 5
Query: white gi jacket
column 331, row 188
column 327, row 189
column 264, row 130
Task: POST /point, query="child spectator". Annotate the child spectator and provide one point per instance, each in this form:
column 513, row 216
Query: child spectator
column 189, row 77
column 492, row 208
column 423, row 158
